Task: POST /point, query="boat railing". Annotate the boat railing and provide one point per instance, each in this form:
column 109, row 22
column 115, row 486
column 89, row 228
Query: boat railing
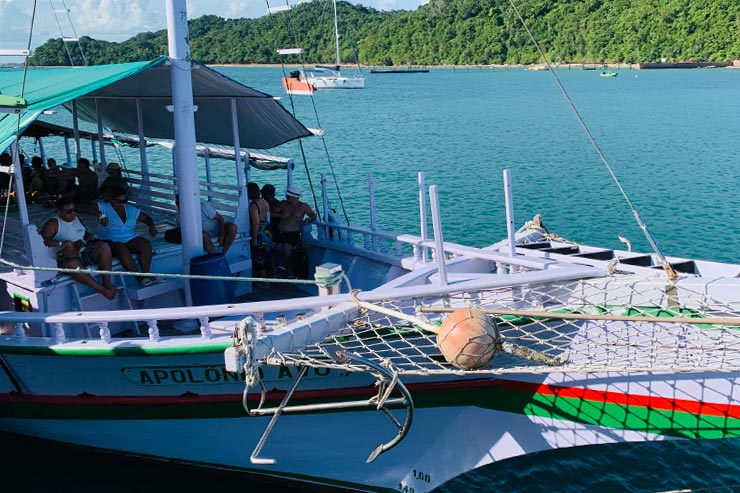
column 400, row 246
column 215, row 319
column 156, row 192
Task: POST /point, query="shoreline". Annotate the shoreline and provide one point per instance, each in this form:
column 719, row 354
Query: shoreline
column 533, row 66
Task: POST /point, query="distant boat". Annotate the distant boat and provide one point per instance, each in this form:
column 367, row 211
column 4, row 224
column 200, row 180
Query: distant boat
column 329, row 76
column 296, row 83
column 398, row 70
column 609, row 74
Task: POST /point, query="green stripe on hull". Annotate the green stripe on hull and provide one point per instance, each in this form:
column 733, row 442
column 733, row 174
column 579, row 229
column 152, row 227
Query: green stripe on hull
column 636, row 418
column 205, row 348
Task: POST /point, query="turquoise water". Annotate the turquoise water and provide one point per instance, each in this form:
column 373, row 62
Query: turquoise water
column 671, row 138
column 669, row 135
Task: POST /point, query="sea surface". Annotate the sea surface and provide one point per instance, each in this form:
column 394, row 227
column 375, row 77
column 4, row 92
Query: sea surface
column 670, row 138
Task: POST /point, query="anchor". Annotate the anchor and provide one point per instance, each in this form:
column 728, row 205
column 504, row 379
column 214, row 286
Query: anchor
column 386, row 381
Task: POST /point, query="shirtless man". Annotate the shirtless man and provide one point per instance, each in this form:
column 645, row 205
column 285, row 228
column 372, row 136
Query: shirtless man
column 294, row 214
column 87, row 181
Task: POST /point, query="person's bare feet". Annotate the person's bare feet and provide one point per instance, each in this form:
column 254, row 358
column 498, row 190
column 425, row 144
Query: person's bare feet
column 109, row 292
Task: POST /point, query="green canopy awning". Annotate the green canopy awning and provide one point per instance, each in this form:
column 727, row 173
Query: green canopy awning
column 114, row 90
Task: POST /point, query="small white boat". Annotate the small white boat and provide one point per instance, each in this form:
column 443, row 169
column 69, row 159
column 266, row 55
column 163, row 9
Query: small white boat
column 329, row 76
column 609, row 74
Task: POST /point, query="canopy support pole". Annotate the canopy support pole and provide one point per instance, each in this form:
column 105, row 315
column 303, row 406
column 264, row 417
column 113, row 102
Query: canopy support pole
column 101, row 135
column 76, row 128
column 186, row 158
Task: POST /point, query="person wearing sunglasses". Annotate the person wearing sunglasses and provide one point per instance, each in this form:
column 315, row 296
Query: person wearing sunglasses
column 76, row 248
column 116, row 224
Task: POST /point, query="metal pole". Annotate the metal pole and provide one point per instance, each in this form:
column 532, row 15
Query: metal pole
column 101, row 140
column 76, row 128
column 325, row 205
column 186, row 158
column 371, row 191
column 439, row 242
column 423, row 216
column 142, row 143
column 509, row 213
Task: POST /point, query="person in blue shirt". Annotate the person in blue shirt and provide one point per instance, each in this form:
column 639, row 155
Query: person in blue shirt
column 116, row 223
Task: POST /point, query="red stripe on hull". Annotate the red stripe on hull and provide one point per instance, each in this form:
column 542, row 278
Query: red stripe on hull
column 590, row 395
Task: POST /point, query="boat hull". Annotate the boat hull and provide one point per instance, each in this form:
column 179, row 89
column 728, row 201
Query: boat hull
column 184, row 407
column 298, row 87
column 338, row 82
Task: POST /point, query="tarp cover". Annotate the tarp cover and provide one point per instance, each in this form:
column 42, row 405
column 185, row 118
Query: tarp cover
column 263, row 122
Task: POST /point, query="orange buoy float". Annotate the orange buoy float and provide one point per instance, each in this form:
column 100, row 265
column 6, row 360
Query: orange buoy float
column 468, row 338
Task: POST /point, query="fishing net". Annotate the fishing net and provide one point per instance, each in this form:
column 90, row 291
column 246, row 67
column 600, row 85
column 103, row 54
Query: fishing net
column 618, row 323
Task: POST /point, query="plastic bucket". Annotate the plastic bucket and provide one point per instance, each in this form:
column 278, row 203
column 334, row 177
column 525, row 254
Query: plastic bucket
column 211, row 292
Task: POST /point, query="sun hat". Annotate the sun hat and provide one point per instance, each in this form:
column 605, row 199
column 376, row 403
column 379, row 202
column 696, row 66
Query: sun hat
column 113, row 167
column 293, row 191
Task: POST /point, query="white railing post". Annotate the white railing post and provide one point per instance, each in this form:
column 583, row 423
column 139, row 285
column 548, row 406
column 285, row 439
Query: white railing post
column 142, row 142
column 101, row 134
column 438, row 240
column 373, row 225
column 104, row 331
column 76, row 132
column 423, row 216
column 59, row 335
column 324, row 231
column 209, row 173
column 509, row 213
column 289, row 174
column 205, row 328
column 153, row 330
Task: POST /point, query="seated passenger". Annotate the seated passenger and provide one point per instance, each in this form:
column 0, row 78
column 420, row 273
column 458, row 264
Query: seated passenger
column 77, row 248
column 117, row 220
column 114, row 180
column 213, row 224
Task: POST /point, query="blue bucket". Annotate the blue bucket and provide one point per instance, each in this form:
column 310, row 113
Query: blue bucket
column 211, row 292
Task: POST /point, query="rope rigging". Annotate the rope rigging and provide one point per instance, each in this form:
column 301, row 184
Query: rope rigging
column 17, row 166
column 285, row 71
column 670, row 272
column 68, row 39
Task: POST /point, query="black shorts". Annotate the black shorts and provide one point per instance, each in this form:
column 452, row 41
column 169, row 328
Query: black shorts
column 293, row 238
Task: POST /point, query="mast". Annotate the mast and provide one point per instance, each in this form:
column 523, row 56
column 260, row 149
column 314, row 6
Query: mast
column 186, row 159
column 336, row 32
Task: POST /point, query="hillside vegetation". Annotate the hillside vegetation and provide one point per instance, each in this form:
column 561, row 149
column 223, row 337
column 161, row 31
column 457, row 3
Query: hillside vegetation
column 446, row 32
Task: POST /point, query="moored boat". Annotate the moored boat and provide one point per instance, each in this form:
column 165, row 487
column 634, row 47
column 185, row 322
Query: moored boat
column 297, row 84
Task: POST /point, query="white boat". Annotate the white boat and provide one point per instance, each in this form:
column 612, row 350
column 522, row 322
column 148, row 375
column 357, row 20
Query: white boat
column 329, row 76
column 366, row 384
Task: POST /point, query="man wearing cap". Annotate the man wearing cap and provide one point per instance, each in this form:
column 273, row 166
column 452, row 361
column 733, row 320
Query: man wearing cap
column 294, row 214
column 114, row 181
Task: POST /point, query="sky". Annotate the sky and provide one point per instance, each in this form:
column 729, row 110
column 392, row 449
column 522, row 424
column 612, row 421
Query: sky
column 118, row 20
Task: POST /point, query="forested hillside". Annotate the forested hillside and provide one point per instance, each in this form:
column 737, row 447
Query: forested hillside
column 445, row 32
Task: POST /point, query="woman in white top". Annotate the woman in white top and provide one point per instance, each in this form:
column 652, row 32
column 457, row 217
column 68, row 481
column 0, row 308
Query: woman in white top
column 117, row 220
column 76, row 248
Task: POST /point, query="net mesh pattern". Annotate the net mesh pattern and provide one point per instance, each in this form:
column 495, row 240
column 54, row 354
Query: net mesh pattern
column 583, row 345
